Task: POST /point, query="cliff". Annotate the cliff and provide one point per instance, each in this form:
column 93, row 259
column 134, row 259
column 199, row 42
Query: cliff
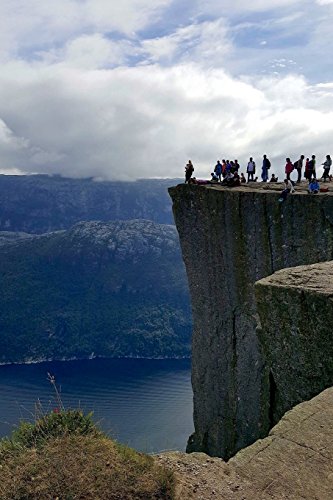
column 230, row 239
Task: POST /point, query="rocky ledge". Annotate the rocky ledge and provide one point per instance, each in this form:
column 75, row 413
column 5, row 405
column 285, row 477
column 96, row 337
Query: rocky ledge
column 296, row 315
column 294, row 462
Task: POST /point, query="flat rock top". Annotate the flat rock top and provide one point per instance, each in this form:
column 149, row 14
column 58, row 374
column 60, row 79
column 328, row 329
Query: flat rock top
column 266, row 187
column 314, row 277
column 294, row 462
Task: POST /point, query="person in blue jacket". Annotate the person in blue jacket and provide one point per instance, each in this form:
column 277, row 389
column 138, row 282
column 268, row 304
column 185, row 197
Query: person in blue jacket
column 218, row 169
column 313, row 186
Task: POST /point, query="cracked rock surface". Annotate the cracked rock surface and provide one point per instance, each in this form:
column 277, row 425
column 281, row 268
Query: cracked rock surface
column 294, row 462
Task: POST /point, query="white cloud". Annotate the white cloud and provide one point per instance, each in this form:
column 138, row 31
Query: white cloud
column 206, row 42
column 31, row 25
column 146, row 121
column 95, row 51
column 84, row 91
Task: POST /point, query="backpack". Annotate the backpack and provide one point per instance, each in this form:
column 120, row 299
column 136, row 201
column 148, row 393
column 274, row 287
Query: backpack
column 295, row 165
column 268, row 163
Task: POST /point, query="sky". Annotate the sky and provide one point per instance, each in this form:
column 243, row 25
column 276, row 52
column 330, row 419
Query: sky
column 120, row 90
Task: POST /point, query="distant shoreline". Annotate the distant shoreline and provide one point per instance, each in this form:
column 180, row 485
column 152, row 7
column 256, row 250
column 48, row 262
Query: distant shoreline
column 89, row 358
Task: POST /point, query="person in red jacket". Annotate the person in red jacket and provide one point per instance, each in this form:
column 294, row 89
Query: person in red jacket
column 289, row 168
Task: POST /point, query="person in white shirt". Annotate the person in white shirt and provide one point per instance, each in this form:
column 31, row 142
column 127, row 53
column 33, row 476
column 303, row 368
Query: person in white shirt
column 251, row 170
column 288, row 188
column 327, row 165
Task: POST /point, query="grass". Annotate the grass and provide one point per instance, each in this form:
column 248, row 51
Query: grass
column 64, row 456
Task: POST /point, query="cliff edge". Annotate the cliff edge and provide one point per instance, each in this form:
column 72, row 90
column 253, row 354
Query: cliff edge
column 294, row 462
column 231, row 238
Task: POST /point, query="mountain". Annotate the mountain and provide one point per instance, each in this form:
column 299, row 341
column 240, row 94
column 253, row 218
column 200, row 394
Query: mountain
column 98, row 289
column 42, row 203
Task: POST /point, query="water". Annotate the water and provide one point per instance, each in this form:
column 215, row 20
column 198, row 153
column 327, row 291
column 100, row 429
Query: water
column 146, row 404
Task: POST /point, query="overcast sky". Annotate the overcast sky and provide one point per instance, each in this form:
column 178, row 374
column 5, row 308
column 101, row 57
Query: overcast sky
column 134, row 88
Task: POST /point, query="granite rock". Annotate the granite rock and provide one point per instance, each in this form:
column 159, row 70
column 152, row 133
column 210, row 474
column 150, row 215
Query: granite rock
column 231, row 238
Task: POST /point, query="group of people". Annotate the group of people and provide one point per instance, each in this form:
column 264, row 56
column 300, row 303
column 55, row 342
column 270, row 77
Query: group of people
column 227, row 173
column 310, row 168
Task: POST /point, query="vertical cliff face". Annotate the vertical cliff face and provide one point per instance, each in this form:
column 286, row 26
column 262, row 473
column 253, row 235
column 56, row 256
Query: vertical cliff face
column 230, row 239
column 296, row 315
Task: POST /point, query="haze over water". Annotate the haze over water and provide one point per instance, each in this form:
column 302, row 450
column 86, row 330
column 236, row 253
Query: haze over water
column 146, row 404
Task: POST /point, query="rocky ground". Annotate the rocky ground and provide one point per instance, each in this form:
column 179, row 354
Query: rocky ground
column 294, row 462
column 300, row 188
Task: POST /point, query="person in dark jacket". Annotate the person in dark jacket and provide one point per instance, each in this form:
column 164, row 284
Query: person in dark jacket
column 218, row 170
column 189, row 169
column 312, row 168
column 299, row 165
column 273, row 178
column 266, row 165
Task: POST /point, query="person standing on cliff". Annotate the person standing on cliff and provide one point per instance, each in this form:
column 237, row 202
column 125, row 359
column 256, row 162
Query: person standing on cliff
column 306, row 171
column 236, row 166
column 312, row 168
column 288, row 168
column 218, row 170
column 299, row 165
column 266, row 165
column 251, row 169
column 189, row 169
column 327, row 165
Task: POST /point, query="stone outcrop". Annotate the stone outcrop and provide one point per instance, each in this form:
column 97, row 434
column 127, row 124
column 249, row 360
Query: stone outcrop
column 296, row 313
column 294, row 462
column 230, row 239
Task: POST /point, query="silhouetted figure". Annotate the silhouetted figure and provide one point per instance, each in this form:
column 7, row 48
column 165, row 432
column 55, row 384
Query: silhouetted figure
column 218, row 170
column 189, row 169
column 298, row 165
column 312, row 168
column 266, row 165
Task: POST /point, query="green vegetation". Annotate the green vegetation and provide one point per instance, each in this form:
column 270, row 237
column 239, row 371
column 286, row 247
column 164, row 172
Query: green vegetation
column 63, row 455
column 105, row 289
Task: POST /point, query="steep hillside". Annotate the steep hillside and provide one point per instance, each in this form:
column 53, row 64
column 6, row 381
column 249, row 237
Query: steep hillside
column 40, row 203
column 103, row 289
